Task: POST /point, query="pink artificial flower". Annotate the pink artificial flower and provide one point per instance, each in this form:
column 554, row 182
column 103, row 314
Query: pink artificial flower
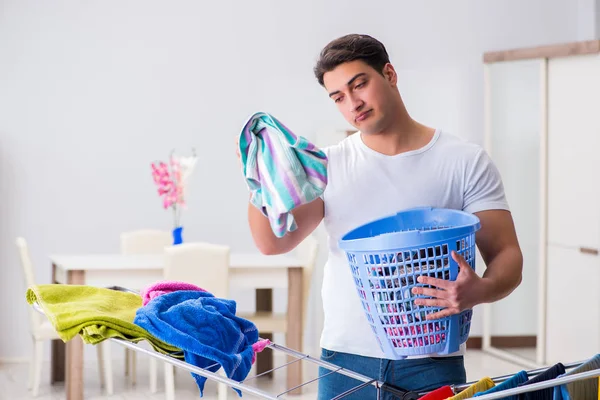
column 170, row 179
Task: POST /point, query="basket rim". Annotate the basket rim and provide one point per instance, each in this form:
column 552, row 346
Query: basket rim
column 409, row 238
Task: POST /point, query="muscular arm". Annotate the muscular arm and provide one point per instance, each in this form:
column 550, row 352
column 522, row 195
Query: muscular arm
column 307, row 216
column 499, row 247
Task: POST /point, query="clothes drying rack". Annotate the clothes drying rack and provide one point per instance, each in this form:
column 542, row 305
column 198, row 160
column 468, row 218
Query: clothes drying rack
column 365, row 381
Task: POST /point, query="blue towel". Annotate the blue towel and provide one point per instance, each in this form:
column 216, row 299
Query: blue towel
column 561, row 392
column 513, row 382
column 205, row 328
column 282, row 170
column 582, row 389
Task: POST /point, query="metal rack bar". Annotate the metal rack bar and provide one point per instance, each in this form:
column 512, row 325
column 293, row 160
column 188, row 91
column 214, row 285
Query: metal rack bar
column 322, row 363
column 196, row 370
column 530, row 373
column 502, row 378
column 355, row 389
column 271, row 370
column 305, row 383
column 541, row 385
column 365, row 381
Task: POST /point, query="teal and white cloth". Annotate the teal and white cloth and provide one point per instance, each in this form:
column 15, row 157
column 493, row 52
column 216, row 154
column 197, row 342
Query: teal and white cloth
column 282, row 170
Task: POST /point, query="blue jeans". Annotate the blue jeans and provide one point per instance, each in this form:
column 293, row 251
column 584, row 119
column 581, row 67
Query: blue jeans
column 417, row 375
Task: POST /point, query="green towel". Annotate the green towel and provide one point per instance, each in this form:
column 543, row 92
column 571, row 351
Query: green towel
column 94, row 313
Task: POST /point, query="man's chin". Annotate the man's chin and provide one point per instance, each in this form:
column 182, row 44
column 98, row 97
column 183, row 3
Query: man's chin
column 367, row 129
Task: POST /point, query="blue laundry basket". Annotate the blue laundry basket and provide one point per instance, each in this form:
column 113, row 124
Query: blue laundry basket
column 387, row 255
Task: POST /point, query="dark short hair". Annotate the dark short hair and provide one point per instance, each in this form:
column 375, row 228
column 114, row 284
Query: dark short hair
column 350, row 48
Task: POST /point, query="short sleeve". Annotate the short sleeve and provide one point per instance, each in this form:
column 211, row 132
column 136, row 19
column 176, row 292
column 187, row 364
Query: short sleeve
column 327, row 151
column 484, row 189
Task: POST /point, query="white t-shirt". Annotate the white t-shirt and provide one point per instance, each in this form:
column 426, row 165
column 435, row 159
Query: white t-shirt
column 364, row 185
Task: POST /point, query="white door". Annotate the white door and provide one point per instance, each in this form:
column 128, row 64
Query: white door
column 573, row 306
column 574, row 151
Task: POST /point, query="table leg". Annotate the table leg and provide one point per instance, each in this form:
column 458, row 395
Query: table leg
column 57, row 357
column 264, row 360
column 74, row 382
column 57, row 351
column 294, row 327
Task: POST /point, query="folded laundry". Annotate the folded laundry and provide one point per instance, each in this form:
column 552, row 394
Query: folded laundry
column 282, row 170
column 206, row 329
column 96, row 314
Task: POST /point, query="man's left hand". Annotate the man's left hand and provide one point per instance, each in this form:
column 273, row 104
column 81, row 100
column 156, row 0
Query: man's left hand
column 452, row 296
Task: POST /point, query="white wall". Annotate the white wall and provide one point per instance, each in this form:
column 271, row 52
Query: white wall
column 90, row 94
column 597, row 21
column 588, row 19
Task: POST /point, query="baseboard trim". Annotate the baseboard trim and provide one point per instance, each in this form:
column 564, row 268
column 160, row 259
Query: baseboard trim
column 476, row 342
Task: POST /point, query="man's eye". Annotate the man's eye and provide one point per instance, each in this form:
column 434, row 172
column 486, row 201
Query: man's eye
column 360, row 85
column 337, row 100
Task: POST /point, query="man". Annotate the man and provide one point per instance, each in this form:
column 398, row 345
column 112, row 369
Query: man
column 394, row 163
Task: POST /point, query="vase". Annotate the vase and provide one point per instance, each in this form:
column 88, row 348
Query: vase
column 177, row 237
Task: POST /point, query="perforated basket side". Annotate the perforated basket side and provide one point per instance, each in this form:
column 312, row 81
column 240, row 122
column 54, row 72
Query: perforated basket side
column 384, row 280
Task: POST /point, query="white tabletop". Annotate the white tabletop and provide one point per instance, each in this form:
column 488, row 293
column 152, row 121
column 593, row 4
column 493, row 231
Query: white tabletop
column 87, row 262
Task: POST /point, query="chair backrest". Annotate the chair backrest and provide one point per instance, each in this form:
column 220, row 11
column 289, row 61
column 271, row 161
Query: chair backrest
column 35, row 318
column 145, row 241
column 202, row 264
column 307, row 251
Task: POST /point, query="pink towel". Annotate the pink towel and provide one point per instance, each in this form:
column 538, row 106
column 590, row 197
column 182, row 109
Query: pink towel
column 259, row 346
column 164, row 287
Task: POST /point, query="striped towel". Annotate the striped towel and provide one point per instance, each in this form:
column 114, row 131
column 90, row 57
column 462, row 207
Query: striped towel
column 282, row 170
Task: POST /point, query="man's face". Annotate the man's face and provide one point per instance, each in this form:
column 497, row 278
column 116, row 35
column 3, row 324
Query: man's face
column 363, row 96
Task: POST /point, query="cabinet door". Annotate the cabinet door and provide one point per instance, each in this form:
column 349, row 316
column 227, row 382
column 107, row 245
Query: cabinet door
column 574, row 151
column 573, row 300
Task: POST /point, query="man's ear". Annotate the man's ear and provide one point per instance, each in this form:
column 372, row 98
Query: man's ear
column 390, row 74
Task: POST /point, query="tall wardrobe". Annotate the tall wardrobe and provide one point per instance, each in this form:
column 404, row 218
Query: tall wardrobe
column 543, row 132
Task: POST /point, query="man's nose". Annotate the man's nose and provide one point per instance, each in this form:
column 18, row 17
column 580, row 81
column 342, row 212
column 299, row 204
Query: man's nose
column 356, row 103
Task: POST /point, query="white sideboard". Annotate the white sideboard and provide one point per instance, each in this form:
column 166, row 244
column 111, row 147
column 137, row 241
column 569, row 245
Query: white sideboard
column 543, row 132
